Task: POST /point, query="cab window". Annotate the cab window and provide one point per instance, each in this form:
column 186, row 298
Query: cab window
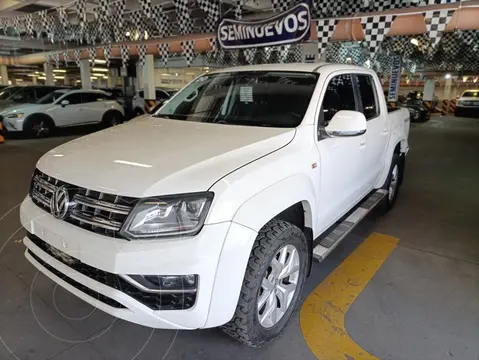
column 339, row 96
column 368, row 96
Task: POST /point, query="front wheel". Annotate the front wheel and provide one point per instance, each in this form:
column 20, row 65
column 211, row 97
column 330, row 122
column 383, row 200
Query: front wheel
column 393, row 182
column 272, row 284
column 38, row 127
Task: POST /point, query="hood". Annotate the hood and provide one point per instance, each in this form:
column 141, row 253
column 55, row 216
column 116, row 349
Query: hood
column 156, row 156
column 6, row 103
column 14, row 108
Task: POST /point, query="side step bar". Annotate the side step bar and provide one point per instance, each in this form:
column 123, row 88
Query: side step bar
column 338, row 232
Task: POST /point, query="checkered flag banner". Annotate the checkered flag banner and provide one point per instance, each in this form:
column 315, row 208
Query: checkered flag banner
column 18, row 23
column 4, row 24
column 234, row 55
column 436, row 22
column 80, row 6
column 212, row 10
column 47, row 60
column 375, row 29
column 76, row 54
column 102, row 14
column 29, row 24
column 107, row 54
column 213, row 44
column 146, row 7
column 283, row 52
column 249, row 55
column 188, row 48
column 164, row 51
column 117, row 19
column 325, row 29
column 56, row 58
column 65, row 58
column 137, row 22
column 47, row 22
column 280, row 5
column 238, row 9
column 142, row 53
column 437, row 2
column 92, row 55
column 125, row 55
column 183, row 16
column 62, row 16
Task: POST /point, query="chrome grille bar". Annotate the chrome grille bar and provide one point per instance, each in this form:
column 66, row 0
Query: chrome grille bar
column 102, row 205
column 41, row 198
column 44, row 184
column 95, row 220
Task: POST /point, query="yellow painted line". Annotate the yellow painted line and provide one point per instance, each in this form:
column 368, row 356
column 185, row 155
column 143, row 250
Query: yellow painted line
column 322, row 314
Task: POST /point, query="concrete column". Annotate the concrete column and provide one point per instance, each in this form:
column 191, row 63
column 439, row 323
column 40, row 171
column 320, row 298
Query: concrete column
column 48, row 74
column 85, row 74
column 310, row 52
column 98, row 83
column 139, row 76
column 149, row 78
column 113, row 78
column 447, row 89
column 34, row 80
column 4, row 74
column 66, row 80
column 429, row 87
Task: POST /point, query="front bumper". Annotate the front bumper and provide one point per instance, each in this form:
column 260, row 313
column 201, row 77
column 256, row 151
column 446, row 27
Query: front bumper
column 467, row 110
column 193, row 255
column 12, row 125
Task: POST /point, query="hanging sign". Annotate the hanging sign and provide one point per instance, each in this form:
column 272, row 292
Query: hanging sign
column 286, row 28
column 395, row 80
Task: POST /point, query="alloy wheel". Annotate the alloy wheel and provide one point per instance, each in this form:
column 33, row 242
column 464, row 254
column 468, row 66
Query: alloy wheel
column 278, row 286
column 393, row 185
column 40, row 128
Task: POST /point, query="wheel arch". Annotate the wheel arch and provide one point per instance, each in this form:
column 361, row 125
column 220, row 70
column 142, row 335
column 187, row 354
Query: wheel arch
column 111, row 111
column 30, row 117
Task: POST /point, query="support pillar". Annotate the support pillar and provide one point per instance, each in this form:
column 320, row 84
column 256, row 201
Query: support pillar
column 85, row 74
column 139, row 76
column 310, row 52
column 4, row 74
column 429, row 87
column 34, row 80
column 66, row 80
column 149, row 78
column 49, row 79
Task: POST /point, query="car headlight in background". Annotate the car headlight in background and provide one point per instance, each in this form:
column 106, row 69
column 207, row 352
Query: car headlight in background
column 14, row 116
column 168, row 216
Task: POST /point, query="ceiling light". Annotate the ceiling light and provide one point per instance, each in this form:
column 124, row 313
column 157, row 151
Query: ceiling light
column 32, row 75
column 127, row 33
column 59, row 70
column 19, row 80
column 176, row 74
column 447, row 76
column 414, row 41
column 41, row 78
column 59, row 77
column 100, row 61
column 190, row 73
column 93, row 77
column 165, row 74
column 78, row 81
column 95, row 69
column 146, row 35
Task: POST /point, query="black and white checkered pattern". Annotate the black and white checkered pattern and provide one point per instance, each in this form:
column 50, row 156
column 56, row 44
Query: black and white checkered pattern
column 117, row 19
column 29, row 24
column 375, row 29
column 56, row 59
column 4, row 24
column 238, row 9
column 188, row 48
column 436, row 22
column 212, row 10
column 164, row 52
column 280, row 5
column 146, row 8
column 249, row 55
column 18, row 23
column 436, row 2
column 80, row 6
column 92, row 55
column 125, row 55
column 63, row 22
column 107, row 54
column 92, row 31
column 47, row 23
column 142, row 53
column 183, row 16
column 234, row 56
column 213, row 44
column 47, row 59
column 325, row 29
column 76, row 54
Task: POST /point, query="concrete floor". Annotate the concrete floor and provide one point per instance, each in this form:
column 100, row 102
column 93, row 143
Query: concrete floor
column 423, row 303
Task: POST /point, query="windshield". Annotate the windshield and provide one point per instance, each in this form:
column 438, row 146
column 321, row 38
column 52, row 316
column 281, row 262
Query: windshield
column 256, row 98
column 474, row 94
column 50, row 98
column 9, row 91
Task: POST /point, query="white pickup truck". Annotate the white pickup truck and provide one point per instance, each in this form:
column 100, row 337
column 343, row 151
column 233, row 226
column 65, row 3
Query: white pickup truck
column 210, row 212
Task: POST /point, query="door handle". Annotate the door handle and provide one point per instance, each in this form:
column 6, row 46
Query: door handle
column 362, row 144
column 385, row 132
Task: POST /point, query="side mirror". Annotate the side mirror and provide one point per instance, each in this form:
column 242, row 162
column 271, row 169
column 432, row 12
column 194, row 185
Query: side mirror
column 64, row 103
column 346, row 123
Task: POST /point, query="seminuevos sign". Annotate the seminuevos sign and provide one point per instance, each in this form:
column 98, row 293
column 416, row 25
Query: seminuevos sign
column 286, row 28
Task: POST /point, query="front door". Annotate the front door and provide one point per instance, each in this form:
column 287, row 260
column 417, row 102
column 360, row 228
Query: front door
column 342, row 159
column 67, row 115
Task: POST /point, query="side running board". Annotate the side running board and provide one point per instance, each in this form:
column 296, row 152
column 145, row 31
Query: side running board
column 340, row 230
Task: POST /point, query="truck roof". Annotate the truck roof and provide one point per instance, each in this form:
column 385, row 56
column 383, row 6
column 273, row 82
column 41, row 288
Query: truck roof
column 301, row 67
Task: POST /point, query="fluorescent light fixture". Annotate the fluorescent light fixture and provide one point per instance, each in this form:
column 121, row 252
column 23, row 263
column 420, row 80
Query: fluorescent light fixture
column 190, row 73
column 176, row 74
column 59, row 70
column 37, row 72
column 59, row 77
column 414, row 41
column 206, row 68
column 132, row 163
column 447, row 76
column 165, row 74
column 19, row 80
column 78, row 81
column 95, row 69
column 127, row 33
column 41, row 78
column 32, row 75
column 100, row 61
column 93, row 77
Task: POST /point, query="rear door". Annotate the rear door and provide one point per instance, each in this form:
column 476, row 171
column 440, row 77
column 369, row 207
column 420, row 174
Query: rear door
column 94, row 107
column 377, row 133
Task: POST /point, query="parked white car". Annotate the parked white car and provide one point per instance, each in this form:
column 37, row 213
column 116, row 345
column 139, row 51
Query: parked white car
column 62, row 108
column 209, row 212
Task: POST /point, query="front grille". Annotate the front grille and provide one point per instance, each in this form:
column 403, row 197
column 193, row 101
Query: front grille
column 155, row 301
column 96, row 295
column 95, row 211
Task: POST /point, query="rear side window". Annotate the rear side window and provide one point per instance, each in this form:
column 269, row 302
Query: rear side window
column 339, row 96
column 73, row 99
column 368, row 95
column 91, row 97
column 42, row 91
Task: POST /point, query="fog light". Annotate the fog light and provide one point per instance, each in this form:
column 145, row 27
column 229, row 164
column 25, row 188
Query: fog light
column 164, row 283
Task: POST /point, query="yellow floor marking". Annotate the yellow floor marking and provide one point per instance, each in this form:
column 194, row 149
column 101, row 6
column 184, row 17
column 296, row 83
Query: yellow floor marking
column 322, row 314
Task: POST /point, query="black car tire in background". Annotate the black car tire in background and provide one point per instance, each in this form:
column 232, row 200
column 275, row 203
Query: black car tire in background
column 38, row 126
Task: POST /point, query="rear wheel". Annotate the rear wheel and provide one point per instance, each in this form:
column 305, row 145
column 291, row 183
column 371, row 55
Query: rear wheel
column 393, row 181
column 272, row 284
column 138, row 112
column 112, row 118
column 38, row 126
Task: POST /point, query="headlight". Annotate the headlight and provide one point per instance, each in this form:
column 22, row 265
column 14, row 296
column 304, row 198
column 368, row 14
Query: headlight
column 14, row 116
column 168, row 216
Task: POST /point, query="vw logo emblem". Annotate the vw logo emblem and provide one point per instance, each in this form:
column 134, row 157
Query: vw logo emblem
column 59, row 202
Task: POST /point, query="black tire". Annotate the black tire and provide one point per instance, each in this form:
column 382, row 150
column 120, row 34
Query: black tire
column 112, row 118
column 393, row 181
column 38, row 126
column 245, row 325
column 138, row 112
